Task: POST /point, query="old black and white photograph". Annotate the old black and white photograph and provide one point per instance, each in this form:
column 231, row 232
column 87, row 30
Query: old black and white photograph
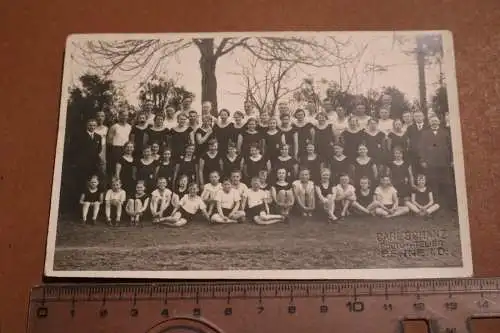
column 276, row 155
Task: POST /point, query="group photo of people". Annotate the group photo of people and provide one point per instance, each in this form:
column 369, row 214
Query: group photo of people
column 252, row 152
column 168, row 166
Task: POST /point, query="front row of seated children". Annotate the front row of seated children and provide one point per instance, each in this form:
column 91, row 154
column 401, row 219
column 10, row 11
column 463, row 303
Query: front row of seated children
column 232, row 201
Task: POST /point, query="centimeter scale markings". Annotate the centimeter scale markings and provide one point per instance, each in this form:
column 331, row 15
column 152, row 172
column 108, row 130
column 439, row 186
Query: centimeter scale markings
column 448, row 306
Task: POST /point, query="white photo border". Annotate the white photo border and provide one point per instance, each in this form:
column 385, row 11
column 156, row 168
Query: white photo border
column 313, row 274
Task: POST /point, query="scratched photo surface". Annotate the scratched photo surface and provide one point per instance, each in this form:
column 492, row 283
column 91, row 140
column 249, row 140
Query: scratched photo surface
column 291, row 155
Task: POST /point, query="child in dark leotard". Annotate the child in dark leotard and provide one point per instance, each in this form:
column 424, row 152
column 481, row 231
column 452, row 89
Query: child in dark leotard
column 351, row 138
column 273, row 139
column 339, row 164
column 250, row 137
column 231, row 161
column 138, row 135
column 91, row 197
column 203, row 135
column 146, row 169
column 254, row 163
column 155, row 151
column 289, row 132
column 181, row 136
column 187, row 165
column 305, row 132
column 264, row 184
column 180, row 189
column 166, row 167
column 287, row 162
column 158, row 132
column 282, row 193
column 209, row 162
column 224, row 131
column 125, row 169
column 364, row 198
column 364, row 166
column 422, row 200
column 137, row 204
column 401, row 175
column 323, row 136
column 312, row 162
column 324, row 192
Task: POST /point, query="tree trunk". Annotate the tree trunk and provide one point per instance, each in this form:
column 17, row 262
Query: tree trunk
column 208, row 62
column 421, row 75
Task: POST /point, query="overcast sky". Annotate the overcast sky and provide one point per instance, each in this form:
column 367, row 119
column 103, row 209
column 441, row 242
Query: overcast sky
column 401, row 70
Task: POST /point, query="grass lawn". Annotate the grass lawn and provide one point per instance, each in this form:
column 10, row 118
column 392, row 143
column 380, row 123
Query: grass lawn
column 300, row 244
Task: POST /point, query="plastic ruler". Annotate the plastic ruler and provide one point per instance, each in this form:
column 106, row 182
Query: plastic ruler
column 436, row 306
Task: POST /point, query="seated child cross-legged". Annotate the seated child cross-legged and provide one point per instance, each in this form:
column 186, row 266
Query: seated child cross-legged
column 189, row 205
column 282, row 193
column 387, row 201
column 364, row 203
column 115, row 197
column 257, row 207
column 303, row 188
column 422, row 199
column 161, row 201
column 324, row 191
column 137, row 204
column 210, row 191
column 344, row 194
column 228, row 202
column 92, row 197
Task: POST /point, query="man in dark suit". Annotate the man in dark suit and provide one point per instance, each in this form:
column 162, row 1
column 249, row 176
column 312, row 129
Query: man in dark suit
column 435, row 155
column 414, row 132
column 88, row 149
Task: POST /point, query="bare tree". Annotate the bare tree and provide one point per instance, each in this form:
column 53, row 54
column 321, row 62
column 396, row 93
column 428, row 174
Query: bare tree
column 137, row 55
column 265, row 83
column 427, row 49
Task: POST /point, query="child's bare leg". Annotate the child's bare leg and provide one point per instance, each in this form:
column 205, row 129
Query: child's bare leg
column 433, row 208
column 219, row 219
column 265, row 219
column 108, row 211
column 345, row 206
column 356, row 205
column 179, row 223
column 172, row 219
column 85, row 210
column 412, row 207
column 118, row 212
column 381, row 212
column 95, row 210
column 130, row 208
column 237, row 216
column 401, row 210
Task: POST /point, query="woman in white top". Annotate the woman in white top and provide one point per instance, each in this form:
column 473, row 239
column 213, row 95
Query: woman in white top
column 385, row 123
column 303, row 188
column 102, row 130
column 118, row 136
column 228, row 203
column 386, row 199
column 340, row 122
column 360, row 114
column 170, row 118
column 257, row 207
column 189, row 206
column 115, row 197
